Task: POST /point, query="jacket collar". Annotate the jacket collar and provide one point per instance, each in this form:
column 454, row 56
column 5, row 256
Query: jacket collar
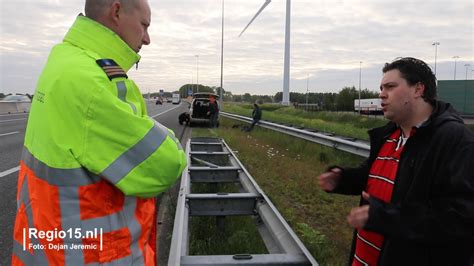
column 442, row 112
column 91, row 35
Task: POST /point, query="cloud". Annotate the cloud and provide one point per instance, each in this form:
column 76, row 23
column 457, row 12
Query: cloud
column 328, row 40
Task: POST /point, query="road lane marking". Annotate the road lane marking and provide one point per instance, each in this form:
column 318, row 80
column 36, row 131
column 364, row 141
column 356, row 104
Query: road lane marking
column 165, row 111
column 9, row 133
column 11, row 120
column 9, row 171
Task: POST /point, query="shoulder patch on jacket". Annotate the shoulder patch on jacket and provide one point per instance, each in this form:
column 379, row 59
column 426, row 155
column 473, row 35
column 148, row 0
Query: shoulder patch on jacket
column 112, row 69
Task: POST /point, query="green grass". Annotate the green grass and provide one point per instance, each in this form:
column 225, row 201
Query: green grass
column 286, row 169
column 344, row 124
column 239, row 236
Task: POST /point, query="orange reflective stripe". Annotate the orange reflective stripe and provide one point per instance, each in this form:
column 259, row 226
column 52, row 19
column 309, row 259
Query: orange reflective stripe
column 106, row 200
column 116, row 245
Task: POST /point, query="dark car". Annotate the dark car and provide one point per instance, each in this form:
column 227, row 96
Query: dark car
column 199, row 109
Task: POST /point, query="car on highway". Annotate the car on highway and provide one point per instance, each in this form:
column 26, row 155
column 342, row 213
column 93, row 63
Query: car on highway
column 199, row 108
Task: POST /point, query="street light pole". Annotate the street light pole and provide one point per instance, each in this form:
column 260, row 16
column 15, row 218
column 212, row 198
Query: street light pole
column 197, row 73
column 467, row 67
column 307, row 89
column 360, row 77
column 222, row 57
column 436, row 54
column 455, row 58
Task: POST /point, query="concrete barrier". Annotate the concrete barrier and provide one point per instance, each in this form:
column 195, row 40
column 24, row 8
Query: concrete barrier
column 14, row 107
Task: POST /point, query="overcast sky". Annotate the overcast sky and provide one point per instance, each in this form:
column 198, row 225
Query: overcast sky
column 328, row 40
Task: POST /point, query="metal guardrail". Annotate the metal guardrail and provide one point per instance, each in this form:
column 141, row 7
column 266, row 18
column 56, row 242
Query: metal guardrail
column 212, row 161
column 351, row 145
column 14, row 107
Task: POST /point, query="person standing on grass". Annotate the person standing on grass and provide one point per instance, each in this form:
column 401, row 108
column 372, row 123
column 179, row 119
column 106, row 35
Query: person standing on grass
column 213, row 112
column 256, row 116
column 417, row 186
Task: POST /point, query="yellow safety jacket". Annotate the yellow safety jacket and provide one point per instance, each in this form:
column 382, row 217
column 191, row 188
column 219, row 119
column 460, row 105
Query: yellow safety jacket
column 93, row 159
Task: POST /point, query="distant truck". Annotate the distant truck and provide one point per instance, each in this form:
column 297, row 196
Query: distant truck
column 176, row 98
column 368, row 106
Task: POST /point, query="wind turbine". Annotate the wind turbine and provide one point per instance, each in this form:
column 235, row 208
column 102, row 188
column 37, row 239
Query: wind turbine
column 286, row 71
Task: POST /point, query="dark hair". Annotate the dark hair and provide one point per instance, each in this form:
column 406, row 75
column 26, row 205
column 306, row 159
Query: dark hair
column 413, row 71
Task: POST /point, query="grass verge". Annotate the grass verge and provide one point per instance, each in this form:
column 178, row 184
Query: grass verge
column 286, row 169
column 343, row 123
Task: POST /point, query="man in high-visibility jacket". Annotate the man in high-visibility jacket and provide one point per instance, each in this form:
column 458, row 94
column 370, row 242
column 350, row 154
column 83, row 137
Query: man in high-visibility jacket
column 93, row 161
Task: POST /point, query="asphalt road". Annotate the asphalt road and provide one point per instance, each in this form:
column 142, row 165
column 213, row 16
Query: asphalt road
column 12, row 133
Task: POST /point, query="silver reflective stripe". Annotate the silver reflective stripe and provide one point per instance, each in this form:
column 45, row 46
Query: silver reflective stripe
column 71, row 219
column 24, row 255
column 133, row 108
column 57, row 176
column 121, row 90
column 172, row 136
column 135, row 155
column 39, row 257
column 135, row 229
column 122, row 94
column 109, row 223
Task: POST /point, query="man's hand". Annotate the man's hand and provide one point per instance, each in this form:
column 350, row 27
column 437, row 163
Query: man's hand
column 329, row 180
column 359, row 216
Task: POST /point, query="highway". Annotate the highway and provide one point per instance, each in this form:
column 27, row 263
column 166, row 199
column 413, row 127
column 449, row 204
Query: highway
column 12, row 133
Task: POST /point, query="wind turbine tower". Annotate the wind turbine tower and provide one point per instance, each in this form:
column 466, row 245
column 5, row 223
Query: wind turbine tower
column 286, row 70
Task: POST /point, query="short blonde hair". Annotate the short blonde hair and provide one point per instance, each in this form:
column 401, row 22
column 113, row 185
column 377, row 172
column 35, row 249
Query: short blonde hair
column 95, row 8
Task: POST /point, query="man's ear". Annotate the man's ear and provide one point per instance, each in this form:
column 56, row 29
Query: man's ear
column 114, row 12
column 419, row 89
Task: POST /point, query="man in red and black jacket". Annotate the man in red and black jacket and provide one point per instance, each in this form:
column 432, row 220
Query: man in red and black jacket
column 417, row 186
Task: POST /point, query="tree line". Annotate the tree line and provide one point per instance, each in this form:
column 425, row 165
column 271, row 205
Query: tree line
column 330, row 101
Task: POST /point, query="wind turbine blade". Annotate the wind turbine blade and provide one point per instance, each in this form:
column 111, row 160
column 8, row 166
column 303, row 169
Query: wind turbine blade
column 259, row 11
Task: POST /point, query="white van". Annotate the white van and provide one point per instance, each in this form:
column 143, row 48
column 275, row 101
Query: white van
column 176, row 98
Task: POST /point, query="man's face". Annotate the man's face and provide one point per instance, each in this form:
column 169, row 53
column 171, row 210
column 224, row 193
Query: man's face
column 134, row 22
column 397, row 97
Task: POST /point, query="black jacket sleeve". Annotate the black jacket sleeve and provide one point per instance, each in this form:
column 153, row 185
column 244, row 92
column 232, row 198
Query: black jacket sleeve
column 447, row 216
column 353, row 180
